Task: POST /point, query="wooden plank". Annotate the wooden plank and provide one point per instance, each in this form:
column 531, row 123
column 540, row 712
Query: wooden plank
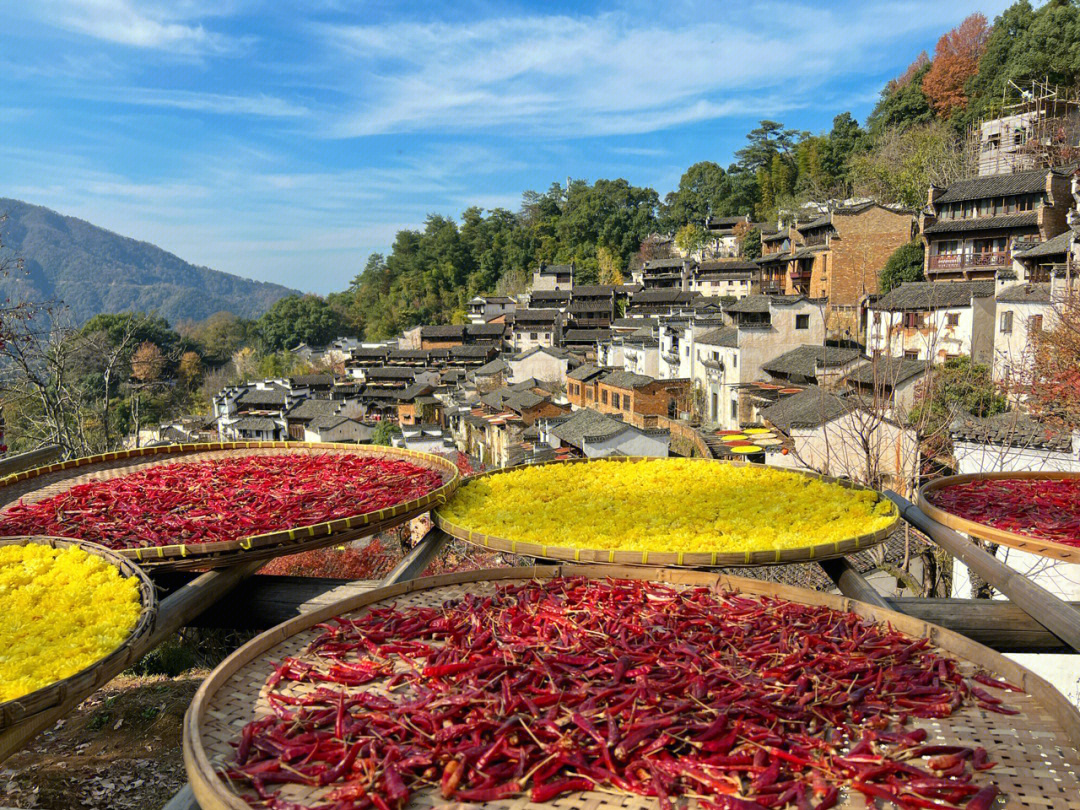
column 30, row 459
column 851, row 583
column 417, row 560
column 184, row 800
column 173, row 613
column 1055, row 615
column 995, row 623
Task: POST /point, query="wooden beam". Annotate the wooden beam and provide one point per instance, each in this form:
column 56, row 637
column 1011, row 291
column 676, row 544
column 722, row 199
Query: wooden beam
column 1057, row 616
column 417, row 560
column 29, row 459
column 851, row 583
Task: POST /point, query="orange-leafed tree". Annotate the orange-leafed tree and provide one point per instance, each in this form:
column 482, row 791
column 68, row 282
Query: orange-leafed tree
column 956, row 59
column 904, row 79
column 1053, row 388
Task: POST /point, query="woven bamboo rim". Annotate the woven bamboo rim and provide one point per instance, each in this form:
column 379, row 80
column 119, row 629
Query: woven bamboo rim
column 1036, row 749
column 45, row 481
column 82, row 683
column 703, row 559
column 1022, row 542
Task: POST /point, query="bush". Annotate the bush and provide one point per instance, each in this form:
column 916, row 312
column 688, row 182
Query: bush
column 172, row 657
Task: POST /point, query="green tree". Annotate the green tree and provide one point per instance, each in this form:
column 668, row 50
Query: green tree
column 750, row 248
column 690, row 238
column 905, row 161
column 385, row 432
column 903, row 106
column 704, row 190
column 905, row 264
column 609, row 267
column 299, row 319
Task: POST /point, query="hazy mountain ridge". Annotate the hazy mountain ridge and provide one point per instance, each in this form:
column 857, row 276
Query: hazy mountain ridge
column 93, row 270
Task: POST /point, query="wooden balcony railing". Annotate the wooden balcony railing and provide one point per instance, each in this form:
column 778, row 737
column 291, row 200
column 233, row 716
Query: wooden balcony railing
column 956, row 261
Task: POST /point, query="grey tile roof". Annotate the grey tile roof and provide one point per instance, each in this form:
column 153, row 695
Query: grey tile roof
column 443, row 331
column 1058, row 246
column 554, row 351
column 1011, row 429
column 887, row 371
column 509, row 399
column 1027, row 219
column 485, row 329
column 1025, row 294
column 302, row 380
column 810, row 408
column 663, row 297
column 595, row 290
column 995, row 185
column 816, row 223
column 807, row 252
column 916, row 295
column 550, row 295
column 472, row 351
column 726, row 267
column 496, row 366
column 370, row 353
column 634, row 322
column 254, row 423
column 390, row 373
column 259, row 397
column 585, row 372
column 585, row 335
column 661, row 264
column 308, row 409
column 413, row 391
column 728, row 337
column 809, row 361
column 751, row 303
column 626, row 379
column 587, row 423
column 536, row 316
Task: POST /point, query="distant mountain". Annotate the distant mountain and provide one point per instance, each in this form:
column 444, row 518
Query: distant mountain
column 93, row 270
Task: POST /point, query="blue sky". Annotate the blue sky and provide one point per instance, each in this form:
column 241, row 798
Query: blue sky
column 287, row 145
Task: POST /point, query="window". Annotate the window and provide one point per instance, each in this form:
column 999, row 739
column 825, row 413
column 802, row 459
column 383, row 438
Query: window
column 615, row 401
column 877, row 319
column 734, row 361
column 712, row 410
column 914, row 320
column 1006, row 322
column 603, row 397
column 952, row 319
column 734, row 409
column 588, row 394
column 911, row 354
column 533, row 335
column 1035, row 324
column 802, row 321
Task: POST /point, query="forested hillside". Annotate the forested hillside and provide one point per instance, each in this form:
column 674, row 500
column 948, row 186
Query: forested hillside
column 94, row 271
column 913, row 136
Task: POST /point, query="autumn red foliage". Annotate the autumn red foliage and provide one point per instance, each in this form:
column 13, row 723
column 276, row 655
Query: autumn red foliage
column 956, row 59
column 904, row 79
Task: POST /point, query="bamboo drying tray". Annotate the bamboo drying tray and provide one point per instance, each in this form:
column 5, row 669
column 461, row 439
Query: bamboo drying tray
column 725, row 559
column 1036, row 749
column 15, row 712
column 1022, row 542
column 43, row 482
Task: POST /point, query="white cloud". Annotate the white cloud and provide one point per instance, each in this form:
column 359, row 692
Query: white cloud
column 165, row 26
column 613, row 73
column 219, row 103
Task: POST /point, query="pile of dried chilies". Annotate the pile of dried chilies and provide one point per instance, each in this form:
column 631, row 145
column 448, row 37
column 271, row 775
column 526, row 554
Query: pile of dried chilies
column 222, row 499
column 573, row 684
column 1037, row 507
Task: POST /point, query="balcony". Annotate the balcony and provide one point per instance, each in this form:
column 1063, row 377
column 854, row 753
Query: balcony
column 958, row 261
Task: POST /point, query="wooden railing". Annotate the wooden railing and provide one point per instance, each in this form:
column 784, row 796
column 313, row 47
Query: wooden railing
column 955, row 261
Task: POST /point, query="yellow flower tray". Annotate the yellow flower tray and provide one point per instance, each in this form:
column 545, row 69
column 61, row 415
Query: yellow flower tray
column 544, row 522
column 15, row 712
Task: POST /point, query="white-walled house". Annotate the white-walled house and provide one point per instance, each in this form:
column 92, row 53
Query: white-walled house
column 933, row 320
column 337, row 428
column 483, row 308
column 597, row 435
column 1011, row 442
column 836, row 434
column 535, row 327
column 1023, row 310
column 540, row 363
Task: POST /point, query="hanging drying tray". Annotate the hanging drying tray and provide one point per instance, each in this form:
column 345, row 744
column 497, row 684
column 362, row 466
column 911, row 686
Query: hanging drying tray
column 16, row 712
column 43, row 482
column 712, row 559
column 1022, row 542
column 1036, row 750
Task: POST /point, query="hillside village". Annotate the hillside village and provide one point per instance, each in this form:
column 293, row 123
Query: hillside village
column 797, row 345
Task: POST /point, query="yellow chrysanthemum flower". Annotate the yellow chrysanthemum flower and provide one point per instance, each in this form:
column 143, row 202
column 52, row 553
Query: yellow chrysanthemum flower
column 63, row 610
column 665, row 505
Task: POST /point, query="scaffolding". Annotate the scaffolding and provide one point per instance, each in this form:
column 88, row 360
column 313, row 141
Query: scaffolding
column 1033, row 127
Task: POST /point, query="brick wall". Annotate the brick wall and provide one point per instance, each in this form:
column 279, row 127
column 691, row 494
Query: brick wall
column 859, row 249
column 652, row 399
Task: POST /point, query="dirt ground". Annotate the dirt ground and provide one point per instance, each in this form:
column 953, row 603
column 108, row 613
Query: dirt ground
column 120, row 749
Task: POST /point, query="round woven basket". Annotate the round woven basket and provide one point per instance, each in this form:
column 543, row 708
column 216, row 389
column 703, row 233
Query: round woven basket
column 43, row 482
column 1036, row 750
column 1023, row 542
column 82, row 683
column 712, row 559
